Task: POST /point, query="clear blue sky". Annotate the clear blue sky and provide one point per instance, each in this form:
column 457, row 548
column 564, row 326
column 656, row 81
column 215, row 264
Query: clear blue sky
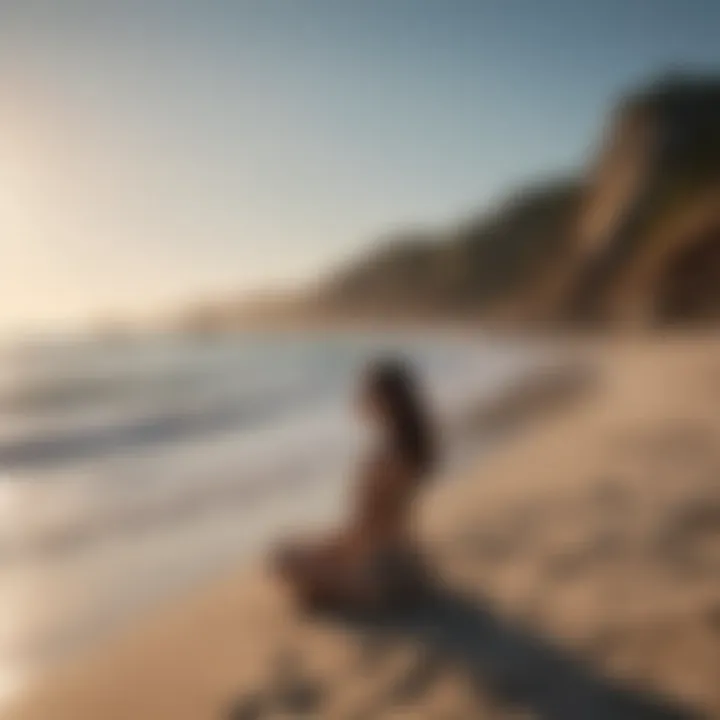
column 153, row 152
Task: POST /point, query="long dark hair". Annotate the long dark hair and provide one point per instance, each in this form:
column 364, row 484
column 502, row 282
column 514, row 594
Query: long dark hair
column 391, row 383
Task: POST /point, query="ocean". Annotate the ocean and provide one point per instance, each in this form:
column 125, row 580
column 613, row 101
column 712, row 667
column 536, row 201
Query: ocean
column 134, row 469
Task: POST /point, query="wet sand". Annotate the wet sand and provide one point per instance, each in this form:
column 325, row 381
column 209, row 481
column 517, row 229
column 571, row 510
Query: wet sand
column 578, row 577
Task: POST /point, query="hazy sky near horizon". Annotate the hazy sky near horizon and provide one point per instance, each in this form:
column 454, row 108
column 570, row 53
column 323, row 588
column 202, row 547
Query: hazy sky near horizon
column 153, row 152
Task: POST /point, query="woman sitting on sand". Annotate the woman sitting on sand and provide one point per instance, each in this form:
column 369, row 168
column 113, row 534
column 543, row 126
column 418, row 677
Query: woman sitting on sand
column 372, row 561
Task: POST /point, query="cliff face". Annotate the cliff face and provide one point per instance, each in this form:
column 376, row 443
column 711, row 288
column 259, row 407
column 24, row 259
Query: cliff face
column 636, row 240
column 661, row 161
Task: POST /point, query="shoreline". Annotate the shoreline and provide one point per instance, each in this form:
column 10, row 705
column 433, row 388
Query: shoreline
column 215, row 524
column 526, row 528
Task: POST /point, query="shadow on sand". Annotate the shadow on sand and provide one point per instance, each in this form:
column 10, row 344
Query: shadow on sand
column 517, row 668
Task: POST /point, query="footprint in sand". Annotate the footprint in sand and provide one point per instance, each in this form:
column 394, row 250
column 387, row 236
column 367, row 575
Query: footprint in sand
column 689, row 538
column 290, row 691
column 415, row 682
column 250, row 707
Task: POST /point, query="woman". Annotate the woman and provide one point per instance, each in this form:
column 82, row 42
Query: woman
column 372, row 561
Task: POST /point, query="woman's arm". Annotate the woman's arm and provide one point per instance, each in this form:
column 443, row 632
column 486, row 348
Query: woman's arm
column 383, row 503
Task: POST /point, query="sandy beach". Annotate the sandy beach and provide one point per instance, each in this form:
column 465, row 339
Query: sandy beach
column 578, row 577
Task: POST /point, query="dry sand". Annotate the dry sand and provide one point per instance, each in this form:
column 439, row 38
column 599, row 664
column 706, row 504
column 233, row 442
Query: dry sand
column 580, row 569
